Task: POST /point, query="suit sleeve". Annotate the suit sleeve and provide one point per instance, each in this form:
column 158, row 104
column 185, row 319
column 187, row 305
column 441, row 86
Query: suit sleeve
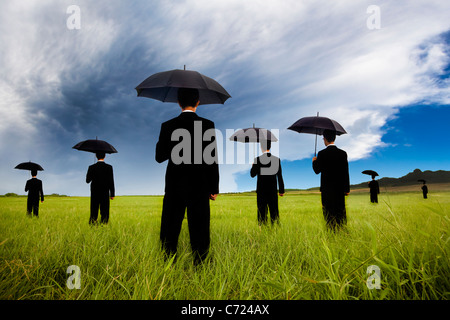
column 215, row 179
column 163, row 145
column 214, row 167
column 254, row 171
column 112, row 190
column 280, row 178
column 41, row 190
column 317, row 164
column 346, row 176
column 89, row 175
column 27, row 187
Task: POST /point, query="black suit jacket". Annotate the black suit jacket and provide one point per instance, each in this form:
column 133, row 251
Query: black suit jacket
column 34, row 188
column 374, row 187
column 192, row 163
column 101, row 177
column 333, row 165
column 424, row 189
column 267, row 168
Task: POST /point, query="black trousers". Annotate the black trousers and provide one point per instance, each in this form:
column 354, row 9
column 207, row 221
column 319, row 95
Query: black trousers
column 267, row 202
column 334, row 212
column 99, row 202
column 374, row 197
column 175, row 205
column 33, row 207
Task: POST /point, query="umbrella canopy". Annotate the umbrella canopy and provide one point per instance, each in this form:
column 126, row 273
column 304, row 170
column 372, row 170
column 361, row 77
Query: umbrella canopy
column 422, row 180
column 29, row 166
column 163, row 86
column 95, row 146
column 253, row 135
column 317, row 125
column 370, row 172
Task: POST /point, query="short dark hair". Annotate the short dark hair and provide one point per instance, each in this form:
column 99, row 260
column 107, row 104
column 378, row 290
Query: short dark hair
column 330, row 135
column 188, row 97
column 33, row 172
column 100, row 155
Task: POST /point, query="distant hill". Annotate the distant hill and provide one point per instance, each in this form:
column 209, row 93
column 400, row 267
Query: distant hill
column 431, row 177
column 440, row 177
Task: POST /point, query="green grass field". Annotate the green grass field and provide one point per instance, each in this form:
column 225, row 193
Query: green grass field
column 406, row 236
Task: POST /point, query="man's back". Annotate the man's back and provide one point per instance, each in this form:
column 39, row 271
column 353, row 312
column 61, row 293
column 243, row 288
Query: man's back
column 192, row 162
column 374, row 187
column 267, row 168
column 100, row 175
column 333, row 165
column 34, row 188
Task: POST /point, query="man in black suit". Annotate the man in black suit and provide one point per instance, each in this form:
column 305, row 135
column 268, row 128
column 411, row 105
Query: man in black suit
column 374, row 190
column 35, row 191
column 267, row 168
column 334, row 181
column 425, row 190
column 100, row 175
column 188, row 142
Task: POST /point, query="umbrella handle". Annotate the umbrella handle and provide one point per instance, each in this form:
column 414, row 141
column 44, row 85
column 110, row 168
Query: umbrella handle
column 315, row 148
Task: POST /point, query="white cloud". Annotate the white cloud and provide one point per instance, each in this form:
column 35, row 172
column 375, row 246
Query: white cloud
column 335, row 65
column 363, row 77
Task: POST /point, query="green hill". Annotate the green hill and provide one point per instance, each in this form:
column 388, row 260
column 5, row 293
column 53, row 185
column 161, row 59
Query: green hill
column 411, row 178
column 440, row 177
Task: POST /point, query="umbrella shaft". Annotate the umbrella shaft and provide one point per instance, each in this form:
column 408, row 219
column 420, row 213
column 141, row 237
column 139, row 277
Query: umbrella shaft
column 315, row 148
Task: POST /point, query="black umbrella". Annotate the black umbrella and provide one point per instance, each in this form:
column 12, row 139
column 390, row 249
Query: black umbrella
column 163, row 86
column 29, row 166
column 95, row 146
column 317, row 125
column 370, row 172
column 421, row 180
column 253, row 135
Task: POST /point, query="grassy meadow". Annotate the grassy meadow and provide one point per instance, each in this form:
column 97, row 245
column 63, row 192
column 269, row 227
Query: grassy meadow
column 406, row 236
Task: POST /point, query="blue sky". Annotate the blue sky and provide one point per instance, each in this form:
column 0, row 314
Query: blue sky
column 279, row 60
column 414, row 139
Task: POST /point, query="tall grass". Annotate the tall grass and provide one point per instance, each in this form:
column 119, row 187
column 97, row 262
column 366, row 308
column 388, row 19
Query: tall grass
column 404, row 235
